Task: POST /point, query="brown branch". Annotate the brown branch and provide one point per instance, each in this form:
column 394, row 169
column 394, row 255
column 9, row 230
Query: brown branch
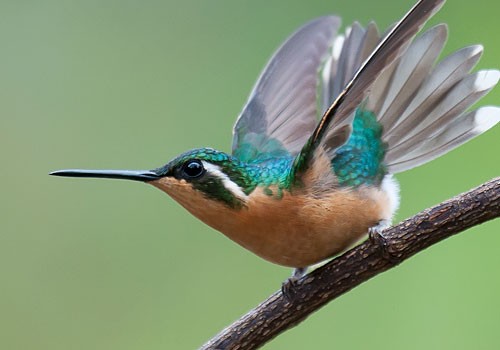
column 276, row 314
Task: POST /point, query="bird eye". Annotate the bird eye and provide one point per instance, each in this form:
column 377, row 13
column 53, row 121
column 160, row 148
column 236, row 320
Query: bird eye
column 193, row 169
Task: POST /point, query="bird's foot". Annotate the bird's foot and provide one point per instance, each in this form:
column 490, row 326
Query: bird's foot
column 288, row 289
column 377, row 237
column 288, row 286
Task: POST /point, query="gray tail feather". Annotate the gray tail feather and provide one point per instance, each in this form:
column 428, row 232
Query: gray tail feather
column 457, row 132
column 421, row 105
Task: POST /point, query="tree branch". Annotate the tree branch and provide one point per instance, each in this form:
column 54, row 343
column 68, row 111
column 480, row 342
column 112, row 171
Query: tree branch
column 277, row 314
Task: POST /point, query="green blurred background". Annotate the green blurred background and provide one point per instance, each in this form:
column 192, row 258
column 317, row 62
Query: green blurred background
column 96, row 264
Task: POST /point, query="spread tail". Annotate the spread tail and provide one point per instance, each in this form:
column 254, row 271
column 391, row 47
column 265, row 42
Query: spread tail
column 422, row 106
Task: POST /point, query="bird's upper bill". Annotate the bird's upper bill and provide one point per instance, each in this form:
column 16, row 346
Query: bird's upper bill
column 136, row 175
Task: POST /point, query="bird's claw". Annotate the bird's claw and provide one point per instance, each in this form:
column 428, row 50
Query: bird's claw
column 288, row 289
column 377, row 238
column 288, row 286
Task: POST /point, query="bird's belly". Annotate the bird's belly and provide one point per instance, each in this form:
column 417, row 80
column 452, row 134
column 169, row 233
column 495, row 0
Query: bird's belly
column 300, row 230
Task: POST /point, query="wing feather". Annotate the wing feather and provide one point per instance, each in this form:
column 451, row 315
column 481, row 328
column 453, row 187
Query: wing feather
column 282, row 106
column 339, row 116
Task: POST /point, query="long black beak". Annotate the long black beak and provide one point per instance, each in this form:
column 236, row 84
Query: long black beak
column 135, row 175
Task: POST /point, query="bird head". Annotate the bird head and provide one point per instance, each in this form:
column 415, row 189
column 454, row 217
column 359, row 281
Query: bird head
column 196, row 177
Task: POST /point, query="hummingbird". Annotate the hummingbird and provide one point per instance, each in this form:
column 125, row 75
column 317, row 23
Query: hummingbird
column 329, row 121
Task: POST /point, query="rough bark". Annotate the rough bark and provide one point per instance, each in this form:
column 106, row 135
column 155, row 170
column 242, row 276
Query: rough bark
column 278, row 313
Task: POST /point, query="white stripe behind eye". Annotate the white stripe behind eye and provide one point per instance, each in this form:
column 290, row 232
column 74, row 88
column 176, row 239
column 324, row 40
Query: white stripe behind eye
column 226, row 181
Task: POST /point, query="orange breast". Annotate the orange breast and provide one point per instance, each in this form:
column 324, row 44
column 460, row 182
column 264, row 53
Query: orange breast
column 294, row 230
column 299, row 231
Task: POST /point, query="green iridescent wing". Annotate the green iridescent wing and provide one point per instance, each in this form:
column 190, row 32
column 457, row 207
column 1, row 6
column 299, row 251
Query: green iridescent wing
column 336, row 126
column 413, row 108
column 281, row 112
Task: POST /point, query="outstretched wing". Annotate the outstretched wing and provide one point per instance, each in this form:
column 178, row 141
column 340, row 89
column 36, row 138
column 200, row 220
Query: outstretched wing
column 281, row 112
column 335, row 126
